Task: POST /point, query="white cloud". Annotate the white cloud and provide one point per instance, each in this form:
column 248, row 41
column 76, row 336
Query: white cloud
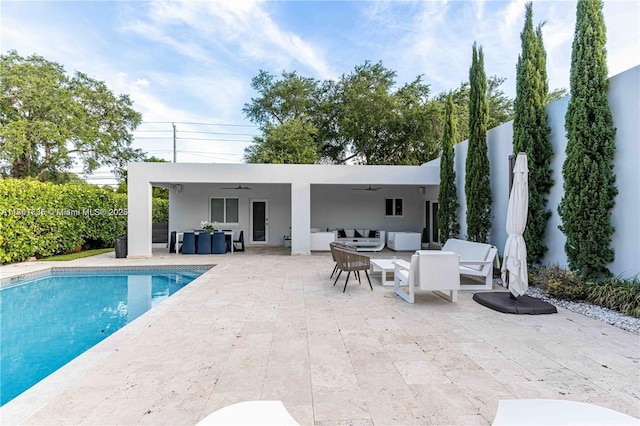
column 241, row 29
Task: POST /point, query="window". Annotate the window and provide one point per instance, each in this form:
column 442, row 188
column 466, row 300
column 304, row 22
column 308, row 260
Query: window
column 224, row 210
column 393, row 207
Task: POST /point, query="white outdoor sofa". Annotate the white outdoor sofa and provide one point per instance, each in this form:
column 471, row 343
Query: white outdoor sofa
column 429, row 270
column 476, row 263
column 363, row 240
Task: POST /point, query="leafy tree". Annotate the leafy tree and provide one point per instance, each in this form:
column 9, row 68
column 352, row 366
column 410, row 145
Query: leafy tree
column 290, row 143
column 589, row 179
column 122, row 176
column 379, row 125
column 50, row 120
column 500, row 106
column 362, row 117
column 531, row 133
column 477, row 183
column 281, row 100
column 447, row 196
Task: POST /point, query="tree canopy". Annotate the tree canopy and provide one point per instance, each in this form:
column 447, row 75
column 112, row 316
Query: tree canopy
column 51, row 120
column 363, row 117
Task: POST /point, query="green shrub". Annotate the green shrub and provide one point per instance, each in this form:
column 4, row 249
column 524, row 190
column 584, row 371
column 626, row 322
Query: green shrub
column 160, row 211
column 617, row 293
column 559, row 282
column 42, row 219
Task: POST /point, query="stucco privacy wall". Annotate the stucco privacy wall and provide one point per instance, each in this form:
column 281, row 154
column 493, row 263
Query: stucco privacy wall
column 298, row 178
column 624, row 99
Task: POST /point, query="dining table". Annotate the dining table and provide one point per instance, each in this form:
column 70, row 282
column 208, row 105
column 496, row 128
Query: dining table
column 228, row 234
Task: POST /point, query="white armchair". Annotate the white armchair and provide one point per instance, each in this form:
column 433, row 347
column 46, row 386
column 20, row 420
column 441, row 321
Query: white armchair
column 429, row 270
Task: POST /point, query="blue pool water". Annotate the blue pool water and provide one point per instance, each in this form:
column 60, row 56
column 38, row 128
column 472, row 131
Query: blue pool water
column 49, row 320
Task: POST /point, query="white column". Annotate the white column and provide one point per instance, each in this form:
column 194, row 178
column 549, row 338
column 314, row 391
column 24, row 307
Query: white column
column 139, row 209
column 300, row 218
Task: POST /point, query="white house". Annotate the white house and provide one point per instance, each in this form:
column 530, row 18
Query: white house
column 270, row 202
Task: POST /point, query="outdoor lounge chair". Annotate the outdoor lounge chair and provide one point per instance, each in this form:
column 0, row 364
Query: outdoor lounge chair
column 429, row 270
column 351, row 261
column 477, row 261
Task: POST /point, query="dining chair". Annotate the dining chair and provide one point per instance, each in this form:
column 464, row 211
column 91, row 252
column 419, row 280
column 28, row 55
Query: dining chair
column 219, row 243
column 240, row 241
column 189, row 243
column 204, row 243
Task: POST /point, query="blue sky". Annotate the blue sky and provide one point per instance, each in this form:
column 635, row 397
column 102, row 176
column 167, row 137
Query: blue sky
column 192, row 62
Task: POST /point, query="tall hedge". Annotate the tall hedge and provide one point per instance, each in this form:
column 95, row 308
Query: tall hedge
column 589, row 179
column 531, row 133
column 43, row 219
column 447, row 196
column 477, row 186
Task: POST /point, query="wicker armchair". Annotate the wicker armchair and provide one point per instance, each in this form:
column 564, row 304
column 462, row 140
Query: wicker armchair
column 351, row 261
column 335, row 245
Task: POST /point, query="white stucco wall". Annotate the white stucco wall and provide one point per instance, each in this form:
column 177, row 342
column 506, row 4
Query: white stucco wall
column 342, row 207
column 624, row 100
column 189, row 207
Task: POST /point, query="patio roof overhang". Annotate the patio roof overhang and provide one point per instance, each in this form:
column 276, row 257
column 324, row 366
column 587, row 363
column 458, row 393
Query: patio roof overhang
column 143, row 176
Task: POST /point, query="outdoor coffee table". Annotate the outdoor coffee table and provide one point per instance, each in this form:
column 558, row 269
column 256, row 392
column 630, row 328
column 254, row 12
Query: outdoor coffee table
column 385, row 267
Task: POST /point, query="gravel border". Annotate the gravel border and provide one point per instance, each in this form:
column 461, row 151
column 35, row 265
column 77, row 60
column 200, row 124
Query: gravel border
column 605, row 315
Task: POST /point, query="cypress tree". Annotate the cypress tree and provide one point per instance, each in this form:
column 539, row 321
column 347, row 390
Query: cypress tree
column 477, row 186
column 589, row 179
column 531, row 133
column 447, row 196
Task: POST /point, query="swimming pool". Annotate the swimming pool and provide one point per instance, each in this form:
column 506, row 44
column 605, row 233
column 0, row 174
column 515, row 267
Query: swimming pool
column 49, row 319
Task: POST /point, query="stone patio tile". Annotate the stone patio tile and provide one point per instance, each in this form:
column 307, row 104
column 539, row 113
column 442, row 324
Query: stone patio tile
column 339, row 405
column 266, row 325
column 421, row 372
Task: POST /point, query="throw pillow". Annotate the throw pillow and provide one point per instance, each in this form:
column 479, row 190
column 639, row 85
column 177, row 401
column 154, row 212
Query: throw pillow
column 349, row 233
column 373, row 234
column 341, row 233
column 357, row 234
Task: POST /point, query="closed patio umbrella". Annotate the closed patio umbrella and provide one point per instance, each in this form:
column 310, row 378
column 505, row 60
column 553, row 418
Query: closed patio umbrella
column 514, row 265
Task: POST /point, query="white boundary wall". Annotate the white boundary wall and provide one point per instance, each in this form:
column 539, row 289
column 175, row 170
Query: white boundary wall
column 624, row 100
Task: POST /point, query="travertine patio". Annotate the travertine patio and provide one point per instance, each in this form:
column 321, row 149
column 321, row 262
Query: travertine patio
column 266, row 325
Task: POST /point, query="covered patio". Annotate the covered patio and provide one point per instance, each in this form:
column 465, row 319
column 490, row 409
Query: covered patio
column 269, row 201
column 263, row 325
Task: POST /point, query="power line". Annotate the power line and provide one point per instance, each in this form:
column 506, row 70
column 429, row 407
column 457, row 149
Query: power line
column 200, row 124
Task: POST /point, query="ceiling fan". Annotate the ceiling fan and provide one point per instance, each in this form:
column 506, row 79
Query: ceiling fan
column 237, row 187
column 369, row 188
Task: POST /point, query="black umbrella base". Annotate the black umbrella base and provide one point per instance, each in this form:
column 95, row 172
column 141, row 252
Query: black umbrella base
column 523, row 305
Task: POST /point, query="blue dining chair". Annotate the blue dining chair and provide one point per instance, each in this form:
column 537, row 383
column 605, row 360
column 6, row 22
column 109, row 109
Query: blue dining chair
column 189, row 243
column 204, row 243
column 219, row 243
column 172, row 242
